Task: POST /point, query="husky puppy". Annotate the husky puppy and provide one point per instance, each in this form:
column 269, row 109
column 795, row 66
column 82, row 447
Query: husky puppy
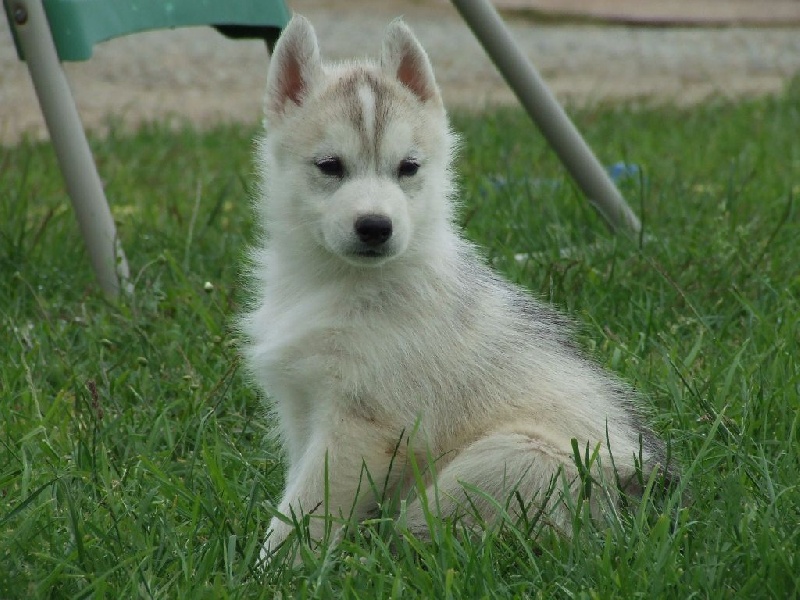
column 382, row 338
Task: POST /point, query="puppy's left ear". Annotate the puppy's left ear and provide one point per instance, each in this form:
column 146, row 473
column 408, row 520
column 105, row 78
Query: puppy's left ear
column 404, row 58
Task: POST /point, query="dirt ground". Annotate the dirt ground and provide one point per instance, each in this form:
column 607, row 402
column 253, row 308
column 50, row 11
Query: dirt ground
column 775, row 13
column 197, row 74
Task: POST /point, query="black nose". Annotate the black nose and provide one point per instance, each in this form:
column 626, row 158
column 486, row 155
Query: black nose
column 373, row 230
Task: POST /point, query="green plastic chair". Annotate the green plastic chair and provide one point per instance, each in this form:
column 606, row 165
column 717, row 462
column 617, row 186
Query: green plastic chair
column 49, row 31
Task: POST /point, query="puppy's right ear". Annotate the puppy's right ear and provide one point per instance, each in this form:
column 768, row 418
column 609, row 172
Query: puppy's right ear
column 293, row 69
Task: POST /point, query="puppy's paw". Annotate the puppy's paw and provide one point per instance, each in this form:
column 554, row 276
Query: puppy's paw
column 278, row 535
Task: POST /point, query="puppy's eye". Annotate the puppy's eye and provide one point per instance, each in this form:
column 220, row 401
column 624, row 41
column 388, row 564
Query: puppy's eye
column 331, row 166
column 408, row 167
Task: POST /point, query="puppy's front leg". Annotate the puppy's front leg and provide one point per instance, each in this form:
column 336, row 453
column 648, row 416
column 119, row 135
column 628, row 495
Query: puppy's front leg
column 329, row 479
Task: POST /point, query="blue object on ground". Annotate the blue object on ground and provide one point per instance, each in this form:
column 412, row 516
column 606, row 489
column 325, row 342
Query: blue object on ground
column 622, row 170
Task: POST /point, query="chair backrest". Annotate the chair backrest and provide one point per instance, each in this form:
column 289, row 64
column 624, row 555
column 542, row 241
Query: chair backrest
column 77, row 25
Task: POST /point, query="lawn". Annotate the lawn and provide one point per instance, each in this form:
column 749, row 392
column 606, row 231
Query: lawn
column 134, row 459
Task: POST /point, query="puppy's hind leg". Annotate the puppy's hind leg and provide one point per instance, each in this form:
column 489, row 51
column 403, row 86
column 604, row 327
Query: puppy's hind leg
column 487, row 479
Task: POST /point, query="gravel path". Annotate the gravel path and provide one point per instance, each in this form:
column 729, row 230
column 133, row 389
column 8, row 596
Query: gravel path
column 197, row 74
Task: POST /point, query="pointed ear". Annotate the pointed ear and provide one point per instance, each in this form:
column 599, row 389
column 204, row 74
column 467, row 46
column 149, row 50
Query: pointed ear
column 404, row 58
column 293, row 69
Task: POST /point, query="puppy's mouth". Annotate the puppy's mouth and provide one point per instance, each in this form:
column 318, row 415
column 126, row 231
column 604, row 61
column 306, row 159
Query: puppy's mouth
column 370, row 253
column 369, row 256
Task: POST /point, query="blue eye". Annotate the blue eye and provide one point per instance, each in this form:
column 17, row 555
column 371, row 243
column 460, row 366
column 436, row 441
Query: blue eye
column 408, row 167
column 331, row 166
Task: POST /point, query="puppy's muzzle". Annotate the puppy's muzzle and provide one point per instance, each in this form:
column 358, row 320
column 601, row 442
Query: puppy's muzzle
column 373, row 231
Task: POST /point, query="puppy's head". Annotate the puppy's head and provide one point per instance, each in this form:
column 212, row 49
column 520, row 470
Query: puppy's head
column 356, row 154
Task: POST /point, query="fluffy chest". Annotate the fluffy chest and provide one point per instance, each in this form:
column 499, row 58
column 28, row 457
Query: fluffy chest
column 359, row 351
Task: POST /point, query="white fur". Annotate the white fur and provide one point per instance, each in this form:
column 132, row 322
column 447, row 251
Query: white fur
column 419, row 355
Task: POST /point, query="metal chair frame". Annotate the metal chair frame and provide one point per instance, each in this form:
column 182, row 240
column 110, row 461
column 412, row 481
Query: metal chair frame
column 83, row 23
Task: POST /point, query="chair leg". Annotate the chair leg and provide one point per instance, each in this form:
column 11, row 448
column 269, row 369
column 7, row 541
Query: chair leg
column 547, row 113
column 72, row 149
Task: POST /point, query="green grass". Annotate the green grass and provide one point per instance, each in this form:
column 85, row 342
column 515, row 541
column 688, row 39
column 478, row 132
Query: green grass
column 133, row 454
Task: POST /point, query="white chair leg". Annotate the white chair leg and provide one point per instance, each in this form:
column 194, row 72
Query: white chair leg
column 547, row 113
column 72, row 149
